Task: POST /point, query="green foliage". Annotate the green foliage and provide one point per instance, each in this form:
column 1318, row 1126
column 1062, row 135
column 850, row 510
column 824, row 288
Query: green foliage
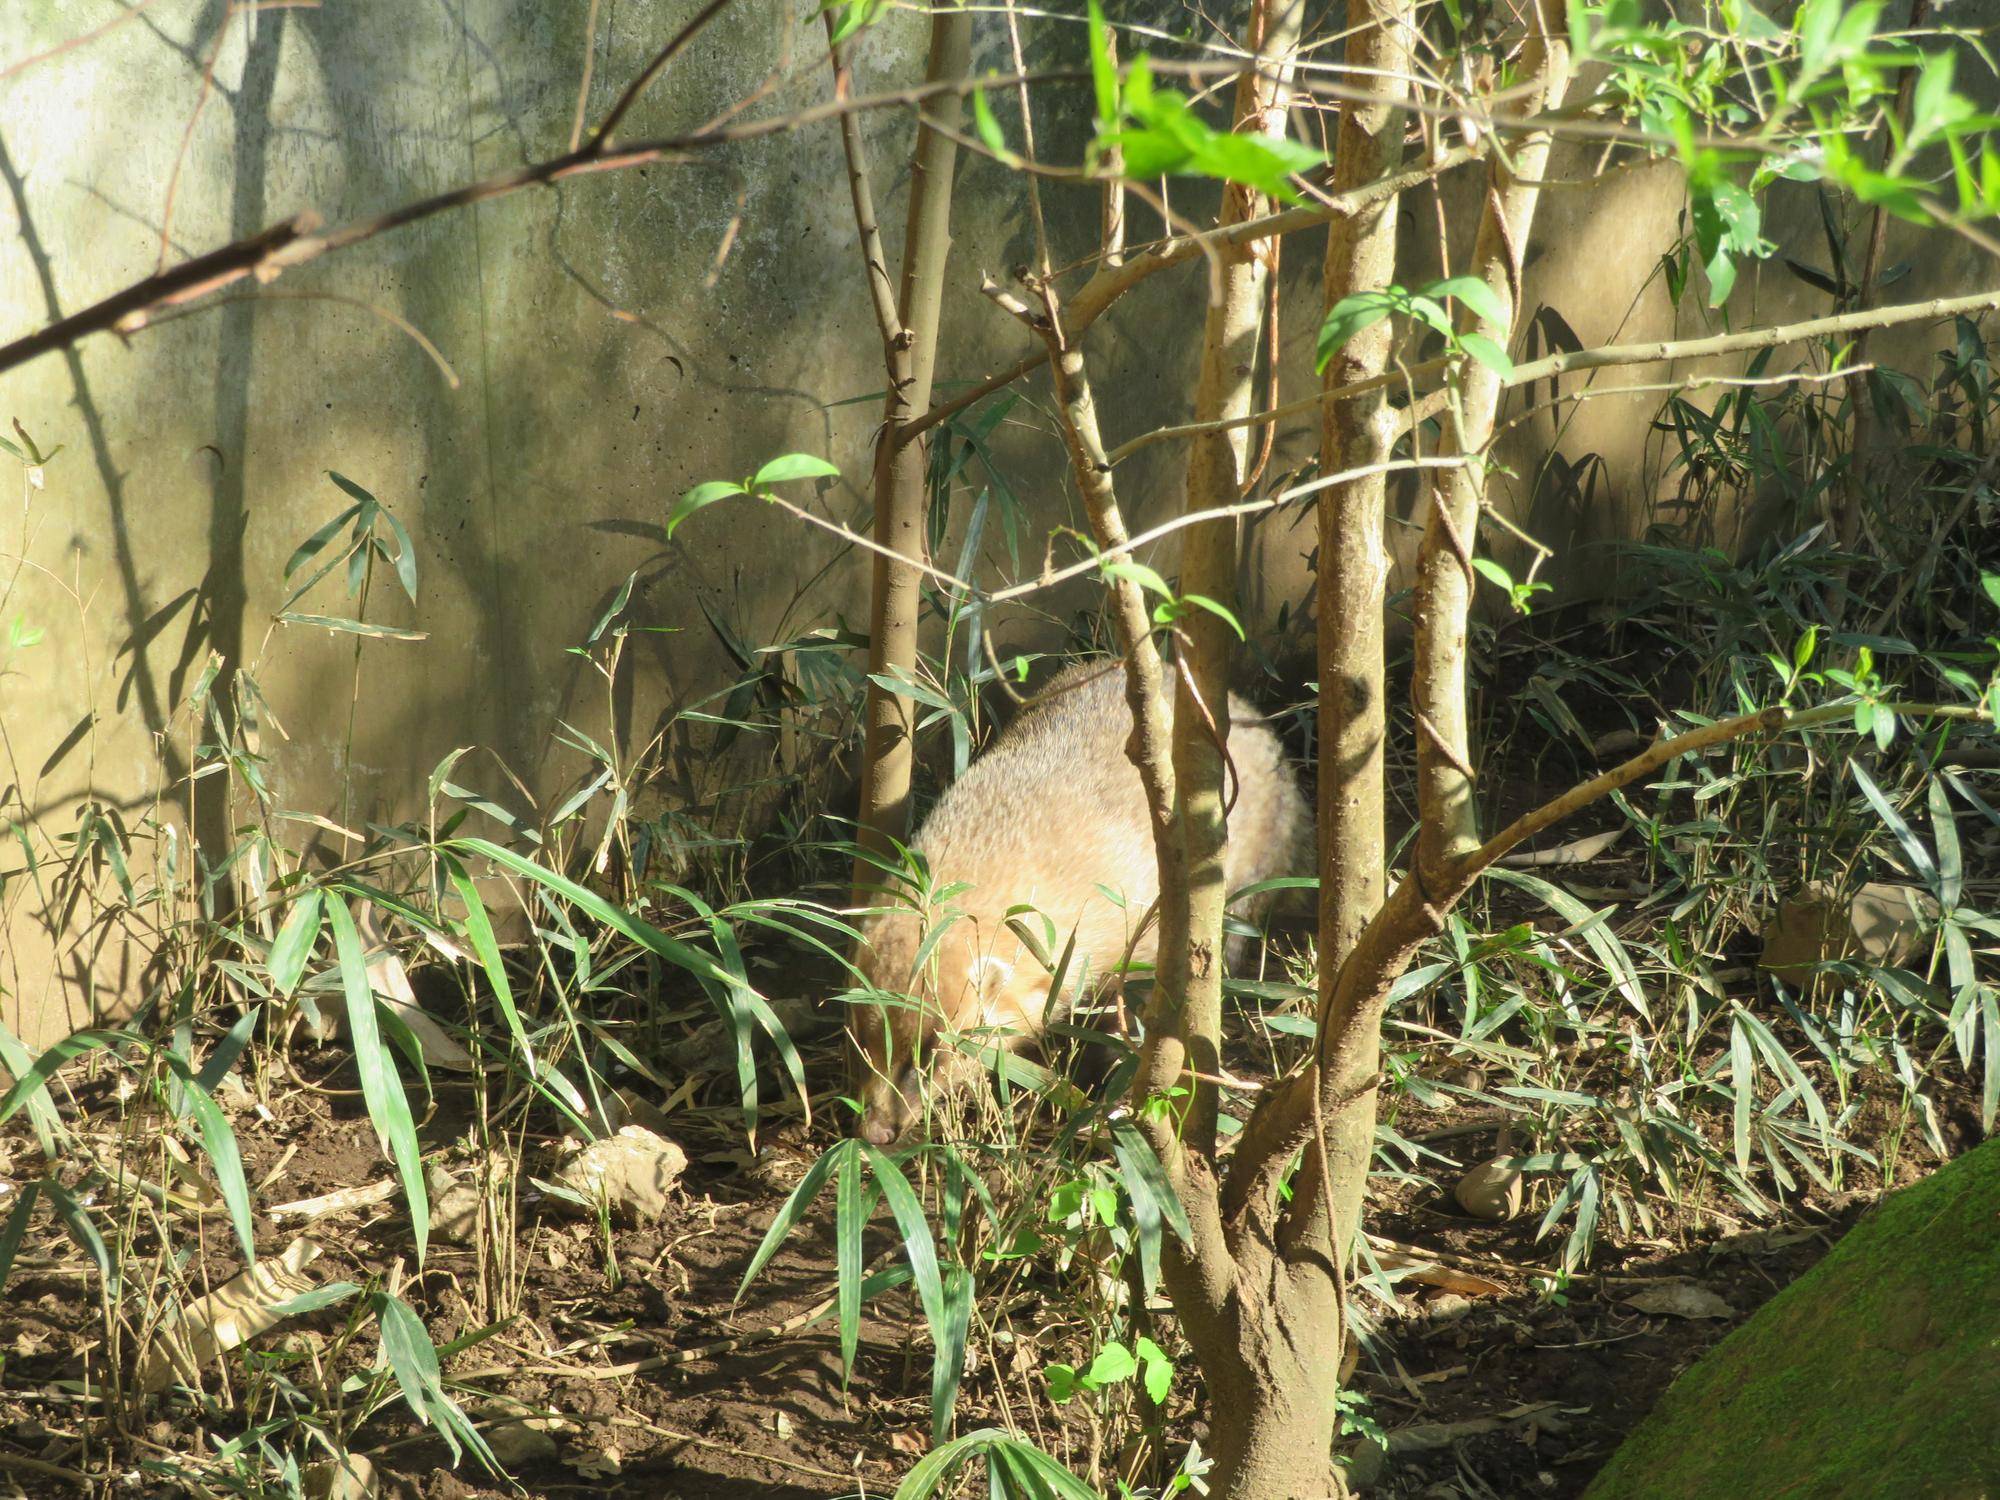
column 781, row 470
column 1158, row 133
column 1425, row 307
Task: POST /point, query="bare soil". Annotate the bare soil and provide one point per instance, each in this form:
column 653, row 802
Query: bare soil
column 1518, row 1392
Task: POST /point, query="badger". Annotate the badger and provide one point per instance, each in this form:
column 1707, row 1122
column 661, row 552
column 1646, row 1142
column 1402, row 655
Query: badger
column 1052, row 817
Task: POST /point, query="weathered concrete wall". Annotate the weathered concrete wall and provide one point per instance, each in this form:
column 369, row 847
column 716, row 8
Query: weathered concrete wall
column 603, row 355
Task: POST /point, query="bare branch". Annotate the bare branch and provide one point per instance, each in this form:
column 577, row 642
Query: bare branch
column 676, row 44
column 875, row 261
column 1114, row 280
column 291, row 243
column 1649, row 760
column 83, row 40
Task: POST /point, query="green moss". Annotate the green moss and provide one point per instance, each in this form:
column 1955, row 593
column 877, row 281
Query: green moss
column 1875, row 1374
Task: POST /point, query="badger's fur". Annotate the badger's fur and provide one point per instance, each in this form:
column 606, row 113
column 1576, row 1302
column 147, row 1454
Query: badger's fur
column 1051, row 813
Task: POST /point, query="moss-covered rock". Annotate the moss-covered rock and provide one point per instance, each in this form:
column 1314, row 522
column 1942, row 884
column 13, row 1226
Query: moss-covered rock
column 1875, row 1374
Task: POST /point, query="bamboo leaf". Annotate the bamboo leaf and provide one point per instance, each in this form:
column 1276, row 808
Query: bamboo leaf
column 293, row 945
column 381, row 1088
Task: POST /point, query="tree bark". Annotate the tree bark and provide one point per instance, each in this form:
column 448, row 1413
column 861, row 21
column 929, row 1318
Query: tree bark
column 1187, row 991
column 1353, row 581
column 888, row 719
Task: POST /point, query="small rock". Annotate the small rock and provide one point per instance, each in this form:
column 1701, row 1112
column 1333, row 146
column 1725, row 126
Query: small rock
column 1680, row 1299
column 349, row 1477
column 519, row 1443
column 455, row 1213
column 1367, row 1461
column 631, row 1173
column 1448, row 1308
column 1491, row 1190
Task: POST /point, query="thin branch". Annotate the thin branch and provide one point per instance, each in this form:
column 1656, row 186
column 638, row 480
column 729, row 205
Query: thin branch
column 291, row 242
column 387, row 315
column 1756, row 338
column 1221, row 513
column 875, row 261
column 589, row 67
column 1113, row 281
column 261, row 256
column 1767, row 721
column 74, row 42
column 1593, row 359
column 638, row 86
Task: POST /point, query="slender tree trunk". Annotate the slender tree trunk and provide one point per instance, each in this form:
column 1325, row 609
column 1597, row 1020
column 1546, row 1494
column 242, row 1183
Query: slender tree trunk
column 1353, row 580
column 910, row 348
column 1187, row 994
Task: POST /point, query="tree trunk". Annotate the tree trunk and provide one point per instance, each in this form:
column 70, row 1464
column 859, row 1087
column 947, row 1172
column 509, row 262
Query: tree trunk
column 1188, row 984
column 888, row 719
column 1271, row 1411
column 1352, row 585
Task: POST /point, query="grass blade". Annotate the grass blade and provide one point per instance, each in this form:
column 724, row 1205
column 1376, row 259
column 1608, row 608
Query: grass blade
column 223, row 1058
column 1921, row 863
column 794, row 1209
column 220, row 1142
column 1944, row 831
column 1989, row 1097
column 949, row 1367
column 31, row 1080
column 413, row 1360
column 479, row 932
column 76, row 1219
column 916, row 1230
column 1590, row 926
column 381, row 1088
column 850, row 1216
column 293, row 945
column 41, row 1108
column 17, row 1226
column 1742, row 1067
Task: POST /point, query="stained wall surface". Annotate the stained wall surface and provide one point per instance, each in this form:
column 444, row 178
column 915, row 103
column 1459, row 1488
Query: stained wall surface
column 529, row 383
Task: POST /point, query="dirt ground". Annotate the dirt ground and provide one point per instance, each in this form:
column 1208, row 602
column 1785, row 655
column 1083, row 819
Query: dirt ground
column 665, row 1387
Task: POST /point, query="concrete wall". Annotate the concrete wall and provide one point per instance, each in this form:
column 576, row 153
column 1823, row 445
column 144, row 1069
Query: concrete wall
column 604, row 355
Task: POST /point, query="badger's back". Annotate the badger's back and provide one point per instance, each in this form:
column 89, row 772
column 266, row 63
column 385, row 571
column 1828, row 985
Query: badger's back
column 1053, row 816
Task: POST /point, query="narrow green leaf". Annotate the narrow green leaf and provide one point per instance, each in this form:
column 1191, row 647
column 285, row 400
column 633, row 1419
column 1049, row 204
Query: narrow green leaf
column 700, row 498
column 354, row 627
column 794, row 1209
column 908, row 1210
column 1742, row 1078
column 1103, row 76
column 850, row 1219
column 76, row 1219
column 479, row 932
column 220, row 1142
column 41, row 1108
column 16, row 1227
column 413, row 1360
column 293, row 946
column 381, row 1088
column 790, row 466
column 1944, row 833
column 948, row 1369
column 31, row 1079
column 1913, row 847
